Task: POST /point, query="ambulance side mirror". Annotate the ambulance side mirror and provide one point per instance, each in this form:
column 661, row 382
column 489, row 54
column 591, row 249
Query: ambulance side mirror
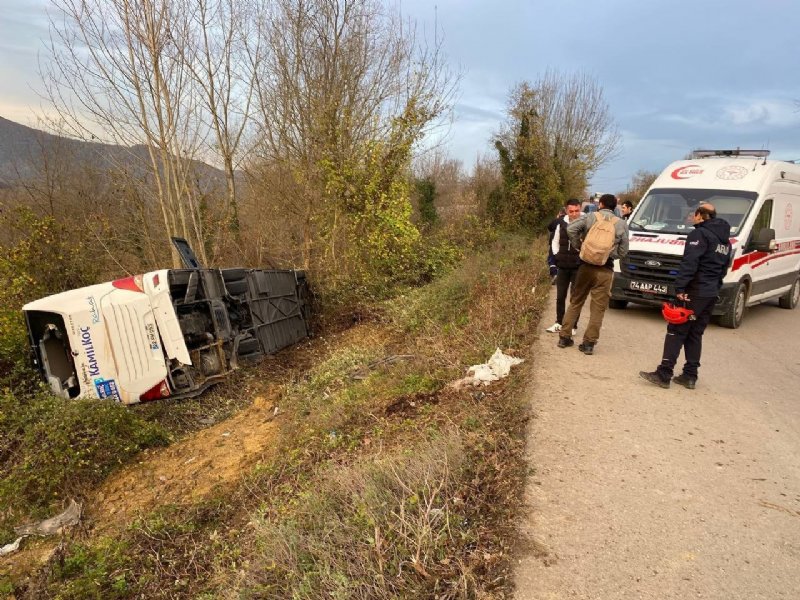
column 765, row 240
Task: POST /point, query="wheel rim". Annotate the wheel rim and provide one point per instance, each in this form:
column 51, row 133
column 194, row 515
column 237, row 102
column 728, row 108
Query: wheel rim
column 796, row 292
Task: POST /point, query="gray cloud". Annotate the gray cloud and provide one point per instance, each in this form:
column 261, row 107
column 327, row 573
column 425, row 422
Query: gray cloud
column 469, row 112
column 677, row 74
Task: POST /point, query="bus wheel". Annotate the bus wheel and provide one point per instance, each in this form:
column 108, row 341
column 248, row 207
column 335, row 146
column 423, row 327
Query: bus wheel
column 235, row 281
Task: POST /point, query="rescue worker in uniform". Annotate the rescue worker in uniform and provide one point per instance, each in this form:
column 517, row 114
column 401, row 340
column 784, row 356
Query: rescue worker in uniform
column 706, row 257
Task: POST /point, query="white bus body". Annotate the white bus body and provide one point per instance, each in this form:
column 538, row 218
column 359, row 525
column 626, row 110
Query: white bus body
column 167, row 333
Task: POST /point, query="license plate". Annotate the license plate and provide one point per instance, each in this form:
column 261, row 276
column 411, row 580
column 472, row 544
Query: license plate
column 648, row 287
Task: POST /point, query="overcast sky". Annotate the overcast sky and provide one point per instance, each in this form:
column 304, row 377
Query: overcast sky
column 677, row 74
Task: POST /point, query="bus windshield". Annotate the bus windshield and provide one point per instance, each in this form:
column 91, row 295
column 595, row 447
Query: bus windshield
column 671, row 210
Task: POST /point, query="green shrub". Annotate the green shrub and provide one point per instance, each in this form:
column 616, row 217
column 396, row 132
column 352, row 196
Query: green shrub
column 425, row 189
column 51, row 448
column 99, row 571
column 471, row 235
column 42, row 260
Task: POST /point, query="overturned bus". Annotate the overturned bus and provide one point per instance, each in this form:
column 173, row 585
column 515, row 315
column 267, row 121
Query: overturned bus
column 167, row 333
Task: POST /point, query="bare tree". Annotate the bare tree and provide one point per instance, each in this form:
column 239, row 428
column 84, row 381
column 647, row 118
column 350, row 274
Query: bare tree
column 223, row 51
column 640, row 181
column 345, row 80
column 578, row 125
column 485, row 181
column 117, row 72
column 453, row 201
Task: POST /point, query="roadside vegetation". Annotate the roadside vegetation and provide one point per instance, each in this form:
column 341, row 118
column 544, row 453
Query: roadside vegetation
column 384, row 482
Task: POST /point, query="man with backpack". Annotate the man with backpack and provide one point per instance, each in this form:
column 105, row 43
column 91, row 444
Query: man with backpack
column 601, row 238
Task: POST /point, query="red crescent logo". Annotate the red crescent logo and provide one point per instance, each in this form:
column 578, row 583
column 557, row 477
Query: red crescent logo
column 686, row 171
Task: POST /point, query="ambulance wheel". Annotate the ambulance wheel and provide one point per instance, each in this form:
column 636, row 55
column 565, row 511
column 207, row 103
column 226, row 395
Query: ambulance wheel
column 733, row 317
column 617, row 304
column 791, row 298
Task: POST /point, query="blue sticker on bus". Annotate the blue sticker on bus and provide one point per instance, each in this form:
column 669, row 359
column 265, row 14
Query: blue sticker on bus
column 107, row 388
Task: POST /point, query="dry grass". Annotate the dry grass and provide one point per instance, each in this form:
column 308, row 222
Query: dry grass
column 384, row 483
column 374, row 529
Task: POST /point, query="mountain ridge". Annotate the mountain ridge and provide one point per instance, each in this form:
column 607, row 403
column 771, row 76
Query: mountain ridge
column 24, row 151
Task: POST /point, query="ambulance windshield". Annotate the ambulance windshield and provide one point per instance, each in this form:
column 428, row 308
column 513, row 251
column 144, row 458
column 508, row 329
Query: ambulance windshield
column 671, row 210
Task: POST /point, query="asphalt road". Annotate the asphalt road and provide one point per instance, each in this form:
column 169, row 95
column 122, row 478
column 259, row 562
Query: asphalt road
column 640, row 492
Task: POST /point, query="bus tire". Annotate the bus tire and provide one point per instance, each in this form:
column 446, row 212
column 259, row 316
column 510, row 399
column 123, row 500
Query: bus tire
column 235, row 281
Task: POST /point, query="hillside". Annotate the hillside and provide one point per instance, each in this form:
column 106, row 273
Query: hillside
column 24, row 151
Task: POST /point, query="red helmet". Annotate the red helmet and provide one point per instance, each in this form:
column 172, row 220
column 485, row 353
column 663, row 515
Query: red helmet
column 677, row 315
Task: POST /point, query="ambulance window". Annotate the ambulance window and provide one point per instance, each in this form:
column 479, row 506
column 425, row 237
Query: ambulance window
column 763, row 220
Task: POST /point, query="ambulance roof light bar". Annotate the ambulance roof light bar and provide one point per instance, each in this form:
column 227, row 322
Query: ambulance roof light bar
column 735, row 152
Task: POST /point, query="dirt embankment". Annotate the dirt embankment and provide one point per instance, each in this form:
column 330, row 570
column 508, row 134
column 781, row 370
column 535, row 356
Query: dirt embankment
column 189, row 469
column 213, row 458
column 186, row 471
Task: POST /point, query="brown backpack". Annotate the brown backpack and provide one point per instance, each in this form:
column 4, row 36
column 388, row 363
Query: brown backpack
column 599, row 240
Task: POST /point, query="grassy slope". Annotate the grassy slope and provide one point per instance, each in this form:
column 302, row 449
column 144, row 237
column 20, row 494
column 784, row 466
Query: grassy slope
column 387, row 482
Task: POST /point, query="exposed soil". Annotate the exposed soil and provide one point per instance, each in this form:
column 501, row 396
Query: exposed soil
column 189, row 469
column 641, row 492
column 208, row 460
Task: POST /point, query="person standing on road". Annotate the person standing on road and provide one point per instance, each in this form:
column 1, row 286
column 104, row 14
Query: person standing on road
column 706, row 257
column 593, row 279
column 626, row 209
column 567, row 261
column 551, row 259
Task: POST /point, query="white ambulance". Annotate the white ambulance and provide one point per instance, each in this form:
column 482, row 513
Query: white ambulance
column 760, row 198
column 167, row 333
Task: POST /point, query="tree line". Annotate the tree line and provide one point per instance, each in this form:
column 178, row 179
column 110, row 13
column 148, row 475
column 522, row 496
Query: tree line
column 315, row 115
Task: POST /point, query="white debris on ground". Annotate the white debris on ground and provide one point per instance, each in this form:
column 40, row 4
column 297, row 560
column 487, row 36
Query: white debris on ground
column 12, row 547
column 498, row 367
column 68, row 518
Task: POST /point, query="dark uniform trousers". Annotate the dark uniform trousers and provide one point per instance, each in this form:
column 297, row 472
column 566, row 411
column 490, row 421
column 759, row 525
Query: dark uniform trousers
column 688, row 336
column 564, row 279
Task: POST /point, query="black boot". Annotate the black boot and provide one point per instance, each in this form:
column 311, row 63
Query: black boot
column 686, row 381
column 654, row 378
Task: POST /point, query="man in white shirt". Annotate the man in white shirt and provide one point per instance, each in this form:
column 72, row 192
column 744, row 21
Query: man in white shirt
column 567, row 261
